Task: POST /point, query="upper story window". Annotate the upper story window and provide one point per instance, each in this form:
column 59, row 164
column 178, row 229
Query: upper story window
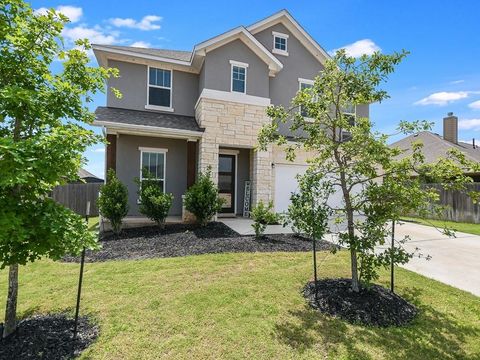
column 304, row 84
column 350, row 114
column 280, row 43
column 239, row 76
column 159, row 89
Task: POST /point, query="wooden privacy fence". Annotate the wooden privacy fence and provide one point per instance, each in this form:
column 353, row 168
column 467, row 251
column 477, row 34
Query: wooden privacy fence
column 76, row 196
column 460, row 206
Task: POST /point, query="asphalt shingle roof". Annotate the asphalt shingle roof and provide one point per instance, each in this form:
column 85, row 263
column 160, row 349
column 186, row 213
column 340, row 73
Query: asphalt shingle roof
column 166, row 53
column 147, row 118
column 82, row 174
column 435, row 147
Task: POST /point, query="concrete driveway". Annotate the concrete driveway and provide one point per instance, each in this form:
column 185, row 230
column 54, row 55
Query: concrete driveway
column 454, row 261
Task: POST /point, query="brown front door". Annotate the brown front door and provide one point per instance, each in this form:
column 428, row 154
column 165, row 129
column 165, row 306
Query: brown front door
column 226, row 182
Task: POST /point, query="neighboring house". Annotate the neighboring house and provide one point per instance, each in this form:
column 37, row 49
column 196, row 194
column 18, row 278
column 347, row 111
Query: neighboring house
column 88, row 177
column 436, row 146
column 184, row 111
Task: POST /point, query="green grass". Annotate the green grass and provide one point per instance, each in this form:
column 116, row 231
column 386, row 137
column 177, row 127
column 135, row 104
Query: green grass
column 457, row 226
column 93, row 223
column 242, row 306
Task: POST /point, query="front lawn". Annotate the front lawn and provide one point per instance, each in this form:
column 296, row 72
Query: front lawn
column 457, row 226
column 242, row 306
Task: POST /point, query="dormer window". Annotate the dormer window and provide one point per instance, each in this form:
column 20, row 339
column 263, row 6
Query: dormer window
column 159, row 89
column 239, row 76
column 280, row 43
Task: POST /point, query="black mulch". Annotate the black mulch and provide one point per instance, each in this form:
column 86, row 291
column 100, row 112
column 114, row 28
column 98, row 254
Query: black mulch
column 48, row 337
column 187, row 239
column 374, row 306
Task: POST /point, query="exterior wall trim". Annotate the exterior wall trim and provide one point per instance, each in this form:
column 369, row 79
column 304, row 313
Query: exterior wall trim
column 233, row 97
column 154, row 150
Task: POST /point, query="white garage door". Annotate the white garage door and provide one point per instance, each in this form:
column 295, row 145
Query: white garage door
column 285, row 184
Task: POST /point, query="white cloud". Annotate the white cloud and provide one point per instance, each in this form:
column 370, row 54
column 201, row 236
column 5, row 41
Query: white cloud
column 98, row 150
column 469, row 124
column 442, row 98
column 359, row 48
column 141, row 44
column 148, row 22
column 457, row 82
column 475, row 105
column 96, row 35
column 74, row 13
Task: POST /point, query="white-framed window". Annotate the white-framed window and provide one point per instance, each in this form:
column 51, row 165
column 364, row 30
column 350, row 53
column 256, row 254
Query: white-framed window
column 239, row 77
column 350, row 113
column 159, row 95
column 302, row 85
column 153, row 161
column 280, row 43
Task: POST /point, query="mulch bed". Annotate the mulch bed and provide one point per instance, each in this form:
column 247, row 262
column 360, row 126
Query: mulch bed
column 374, row 306
column 187, row 239
column 48, row 337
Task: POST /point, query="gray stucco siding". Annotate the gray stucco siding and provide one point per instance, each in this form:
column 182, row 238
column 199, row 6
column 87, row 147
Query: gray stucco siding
column 132, row 83
column 299, row 63
column 216, row 71
column 362, row 111
column 128, row 168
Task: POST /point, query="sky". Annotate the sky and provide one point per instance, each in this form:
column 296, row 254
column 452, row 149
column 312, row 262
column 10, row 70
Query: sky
column 441, row 74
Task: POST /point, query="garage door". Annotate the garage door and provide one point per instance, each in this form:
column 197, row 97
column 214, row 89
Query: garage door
column 285, row 184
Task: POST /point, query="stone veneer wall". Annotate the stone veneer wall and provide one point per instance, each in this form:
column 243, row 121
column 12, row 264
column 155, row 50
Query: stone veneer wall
column 235, row 125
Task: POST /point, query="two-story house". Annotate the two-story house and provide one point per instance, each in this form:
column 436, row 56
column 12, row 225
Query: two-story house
column 184, row 111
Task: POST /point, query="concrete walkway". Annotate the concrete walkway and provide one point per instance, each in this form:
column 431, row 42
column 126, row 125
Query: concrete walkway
column 454, row 261
column 243, row 226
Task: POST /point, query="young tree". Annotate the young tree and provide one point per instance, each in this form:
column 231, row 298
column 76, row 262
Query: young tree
column 113, row 201
column 38, row 148
column 262, row 215
column 350, row 158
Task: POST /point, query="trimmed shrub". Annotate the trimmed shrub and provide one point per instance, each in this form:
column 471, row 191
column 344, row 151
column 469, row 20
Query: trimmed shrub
column 263, row 215
column 202, row 198
column 113, row 201
column 154, row 203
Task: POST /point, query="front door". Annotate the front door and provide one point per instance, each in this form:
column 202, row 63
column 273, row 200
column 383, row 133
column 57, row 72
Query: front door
column 226, row 182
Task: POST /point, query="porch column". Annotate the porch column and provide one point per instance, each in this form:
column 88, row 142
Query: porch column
column 208, row 156
column 261, row 175
column 111, row 152
column 191, row 162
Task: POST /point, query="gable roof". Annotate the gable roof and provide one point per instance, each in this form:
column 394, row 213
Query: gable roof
column 241, row 33
column 435, row 147
column 192, row 60
column 285, row 18
column 83, row 174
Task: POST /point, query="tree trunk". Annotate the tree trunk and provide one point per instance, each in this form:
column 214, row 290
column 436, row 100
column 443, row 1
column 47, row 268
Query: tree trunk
column 353, row 260
column 11, row 306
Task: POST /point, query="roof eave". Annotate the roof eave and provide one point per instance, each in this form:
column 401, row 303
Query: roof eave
column 99, row 50
column 148, row 130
